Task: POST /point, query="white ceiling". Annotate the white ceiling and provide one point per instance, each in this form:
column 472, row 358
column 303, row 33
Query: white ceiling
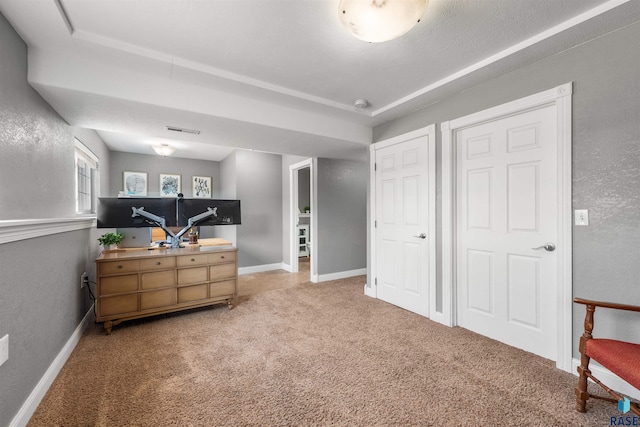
column 275, row 75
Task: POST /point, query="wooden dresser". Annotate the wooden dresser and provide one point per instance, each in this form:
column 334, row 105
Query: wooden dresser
column 135, row 284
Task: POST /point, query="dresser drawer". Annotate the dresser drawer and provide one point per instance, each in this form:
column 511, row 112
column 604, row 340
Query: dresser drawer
column 118, row 284
column 222, row 271
column 156, row 299
column 158, row 279
column 157, row 263
column 192, row 293
column 119, row 304
column 220, row 257
column 217, row 289
column 115, row 267
column 188, row 260
column 188, row 276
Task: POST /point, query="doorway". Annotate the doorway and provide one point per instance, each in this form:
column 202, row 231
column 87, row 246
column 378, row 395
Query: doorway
column 302, row 202
column 506, row 243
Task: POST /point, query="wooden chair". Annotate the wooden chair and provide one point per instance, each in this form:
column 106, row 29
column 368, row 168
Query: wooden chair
column 621, row 358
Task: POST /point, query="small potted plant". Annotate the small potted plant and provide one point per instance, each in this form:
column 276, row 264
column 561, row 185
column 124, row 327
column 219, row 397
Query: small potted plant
column 307, row 209
column 110, row 240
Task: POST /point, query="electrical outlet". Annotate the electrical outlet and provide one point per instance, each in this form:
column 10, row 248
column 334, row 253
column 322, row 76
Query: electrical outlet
column 84, row 280
column 4, row 349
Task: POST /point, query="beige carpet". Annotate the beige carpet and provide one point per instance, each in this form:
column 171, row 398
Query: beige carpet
column 293, row 353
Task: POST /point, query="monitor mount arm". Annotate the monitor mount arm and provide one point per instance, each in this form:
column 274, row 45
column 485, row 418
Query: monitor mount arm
column 174, row 238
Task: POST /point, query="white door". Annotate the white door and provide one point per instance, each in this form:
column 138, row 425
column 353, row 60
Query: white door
column 405, row 222
column 506, row 195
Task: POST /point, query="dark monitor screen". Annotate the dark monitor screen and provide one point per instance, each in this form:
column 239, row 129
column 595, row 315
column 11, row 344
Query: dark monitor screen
column 116, row 212
column 227, row 211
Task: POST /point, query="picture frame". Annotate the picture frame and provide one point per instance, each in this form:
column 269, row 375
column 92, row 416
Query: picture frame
column 170, row 185
column 135, row 183
column 201, row 187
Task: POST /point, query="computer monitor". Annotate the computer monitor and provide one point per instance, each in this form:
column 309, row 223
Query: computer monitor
column 114, row 212
column 227, row 211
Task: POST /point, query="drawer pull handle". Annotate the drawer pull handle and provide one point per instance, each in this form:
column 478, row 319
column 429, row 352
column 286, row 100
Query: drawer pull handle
column 192, row 259
column 221, row 256
column 119, row 266
column 158, row 263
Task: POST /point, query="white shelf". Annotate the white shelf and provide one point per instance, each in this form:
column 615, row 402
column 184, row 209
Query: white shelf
column 303, row 239
column 304, row 215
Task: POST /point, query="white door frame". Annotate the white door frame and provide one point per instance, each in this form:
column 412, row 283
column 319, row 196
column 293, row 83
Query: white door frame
column 293, row 215
column 429, row 131
column 559, row 96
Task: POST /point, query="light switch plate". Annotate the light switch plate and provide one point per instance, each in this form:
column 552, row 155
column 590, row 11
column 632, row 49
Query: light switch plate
column 582, row 217
column 4, row 349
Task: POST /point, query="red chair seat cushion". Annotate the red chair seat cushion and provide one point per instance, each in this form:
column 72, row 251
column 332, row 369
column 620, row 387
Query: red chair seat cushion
column 621, row 358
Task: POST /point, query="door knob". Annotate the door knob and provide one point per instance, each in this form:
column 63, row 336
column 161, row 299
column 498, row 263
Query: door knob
column 421, row 236
column 549, row 247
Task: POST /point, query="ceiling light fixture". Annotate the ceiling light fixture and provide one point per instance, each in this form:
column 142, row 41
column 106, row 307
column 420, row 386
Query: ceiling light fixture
column 164, row 150
column 380, row 20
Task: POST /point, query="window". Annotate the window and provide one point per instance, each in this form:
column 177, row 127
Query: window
column 87, row 179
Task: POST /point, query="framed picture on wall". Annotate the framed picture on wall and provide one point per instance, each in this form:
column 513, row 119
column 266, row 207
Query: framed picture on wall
column 170, row 185
column 134, row 183
column 201, row 187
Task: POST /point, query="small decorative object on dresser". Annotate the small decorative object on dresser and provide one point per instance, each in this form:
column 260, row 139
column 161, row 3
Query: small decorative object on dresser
column 110, row 240
column 193, row 236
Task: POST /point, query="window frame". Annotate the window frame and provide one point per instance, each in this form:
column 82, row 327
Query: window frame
column 89, row 186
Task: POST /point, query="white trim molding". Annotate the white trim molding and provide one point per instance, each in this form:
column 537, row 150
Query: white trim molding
column 310, row 163
column 369, row 291
column 341, row 275
column 264, row 267
column 505, row 53
column 559, row 96
column 608, row 378
column 22, row 229
column 34, row 399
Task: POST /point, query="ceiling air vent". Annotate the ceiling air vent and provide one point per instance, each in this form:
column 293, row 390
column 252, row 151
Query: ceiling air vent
column 177, row 129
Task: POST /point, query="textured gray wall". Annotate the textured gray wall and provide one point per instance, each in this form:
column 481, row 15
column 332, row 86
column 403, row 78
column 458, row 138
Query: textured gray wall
column 606, row 159
column 41, row 302
column 259, row 189
column 227, row 191
column 154, row 165
column 37, row 146
column 342, row 215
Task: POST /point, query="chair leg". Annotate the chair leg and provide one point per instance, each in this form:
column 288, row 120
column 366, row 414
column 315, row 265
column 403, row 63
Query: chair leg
column 582, row 395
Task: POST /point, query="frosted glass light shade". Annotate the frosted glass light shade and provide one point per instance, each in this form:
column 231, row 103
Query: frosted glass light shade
column 164, row 150
column 380, row 20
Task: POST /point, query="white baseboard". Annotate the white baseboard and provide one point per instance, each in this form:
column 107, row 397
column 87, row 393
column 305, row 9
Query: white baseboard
column 286, row 267
column 341, row 275
column 609, row 378
column 369, row 291
column 261, row 268
column 440, row 318
column 31, row 404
